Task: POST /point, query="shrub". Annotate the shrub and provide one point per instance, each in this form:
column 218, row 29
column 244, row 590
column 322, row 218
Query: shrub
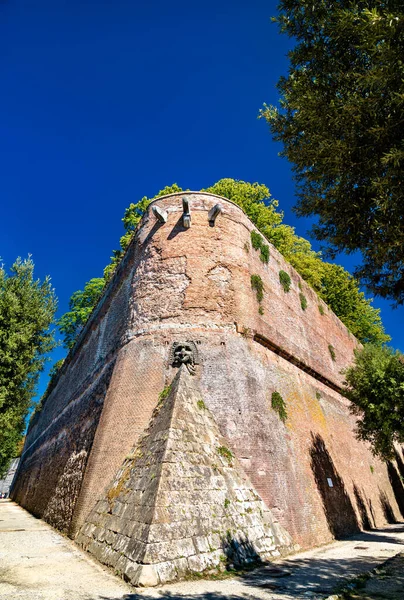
column 258, row 285
column 285, row 281
column 332, row 351
column 303, row 301
column 278, row 404
column 257, row 242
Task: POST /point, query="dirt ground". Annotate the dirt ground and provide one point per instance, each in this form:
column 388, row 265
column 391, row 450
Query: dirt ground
column 383, row 583
column 37, row 563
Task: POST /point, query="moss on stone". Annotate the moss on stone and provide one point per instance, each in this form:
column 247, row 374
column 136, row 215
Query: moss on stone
column 226, row 453
column 164, row 393
column 278, row 405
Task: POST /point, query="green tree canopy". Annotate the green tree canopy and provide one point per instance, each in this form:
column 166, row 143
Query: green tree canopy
column 81, row 305
column 341, row 123
column 335, row 285
column 375, row 387
column 27, row 309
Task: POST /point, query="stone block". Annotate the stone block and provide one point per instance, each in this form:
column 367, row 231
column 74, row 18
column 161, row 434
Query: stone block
column 147, row 576
column 166, row 571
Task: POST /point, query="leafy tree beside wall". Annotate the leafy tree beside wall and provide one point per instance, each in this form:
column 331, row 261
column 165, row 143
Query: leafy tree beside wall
column 27, row 310
column 333, row 284
column 81, row 304
column 341, row 123
column 375, row 387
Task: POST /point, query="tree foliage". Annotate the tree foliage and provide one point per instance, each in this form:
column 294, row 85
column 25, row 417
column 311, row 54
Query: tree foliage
column 375, row 387
column 335, row 285
column 81, row 305
column 27, row 309
column 341, row 124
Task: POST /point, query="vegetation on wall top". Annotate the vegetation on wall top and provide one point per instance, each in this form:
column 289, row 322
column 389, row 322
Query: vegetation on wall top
column 331, row 282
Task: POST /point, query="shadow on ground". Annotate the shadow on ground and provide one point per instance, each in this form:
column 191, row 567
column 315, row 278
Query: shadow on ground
column 292, row 577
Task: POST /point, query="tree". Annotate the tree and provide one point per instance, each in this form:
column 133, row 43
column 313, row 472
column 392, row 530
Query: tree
column 81, row 305
column 341, row 124
column 255, row 199
column 375, row 387
column 27, row 309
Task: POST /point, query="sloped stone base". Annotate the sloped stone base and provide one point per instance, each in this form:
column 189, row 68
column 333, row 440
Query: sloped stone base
column 181, row 502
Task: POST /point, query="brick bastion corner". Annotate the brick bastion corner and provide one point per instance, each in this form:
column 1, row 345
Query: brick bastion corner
column 81, row 468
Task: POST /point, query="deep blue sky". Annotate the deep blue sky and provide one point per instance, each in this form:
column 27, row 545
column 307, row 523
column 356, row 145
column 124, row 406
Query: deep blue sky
column 105, row 102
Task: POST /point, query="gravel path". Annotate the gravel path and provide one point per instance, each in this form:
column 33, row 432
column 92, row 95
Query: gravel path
column 37, row 563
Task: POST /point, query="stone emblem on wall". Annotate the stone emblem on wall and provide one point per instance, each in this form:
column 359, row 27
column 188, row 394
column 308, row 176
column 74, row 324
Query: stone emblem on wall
column 184, row 353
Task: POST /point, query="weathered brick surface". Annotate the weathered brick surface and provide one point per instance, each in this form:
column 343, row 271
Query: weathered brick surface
column 181, row 495
column 178, row 284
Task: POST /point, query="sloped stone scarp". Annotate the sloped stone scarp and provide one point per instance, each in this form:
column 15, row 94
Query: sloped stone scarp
column 181, row 502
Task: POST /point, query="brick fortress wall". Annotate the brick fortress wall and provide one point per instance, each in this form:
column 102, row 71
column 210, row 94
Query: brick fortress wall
column 179, row 284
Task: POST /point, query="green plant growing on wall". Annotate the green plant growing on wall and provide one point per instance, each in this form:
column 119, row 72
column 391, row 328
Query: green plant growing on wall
column 372, row 469
column 335, row 286
column 258, row 285
column 257, row 242
column 331, row 350
column 246, row 247
column 201, row 405
column 285, row 281
column 261, row 310
column 279, row 406
column 226, row 503
column 226, row 454
column 321, row 309
column 303, row 301
column 164, row 393
column 318, row 395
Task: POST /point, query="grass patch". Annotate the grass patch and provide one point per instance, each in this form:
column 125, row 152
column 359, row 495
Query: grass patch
column 278, row 404
column 285, row 281
column 226, row 453
column 165, row 393
column 257, row 242
column 258, row 285
column 303, row 301
column 331, row 350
